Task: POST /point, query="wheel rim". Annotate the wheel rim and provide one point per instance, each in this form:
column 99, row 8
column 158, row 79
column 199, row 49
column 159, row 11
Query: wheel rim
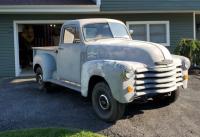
column 104, row 102
column 39, row 79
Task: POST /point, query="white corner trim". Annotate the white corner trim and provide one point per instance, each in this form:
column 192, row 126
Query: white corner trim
column 49, row 9
column 194, row 26
column 16, row 49
column 16, row 37
column 148, row 23
column 98, row 3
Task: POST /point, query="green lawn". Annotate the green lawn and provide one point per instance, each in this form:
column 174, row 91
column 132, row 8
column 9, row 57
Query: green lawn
column 49, row 132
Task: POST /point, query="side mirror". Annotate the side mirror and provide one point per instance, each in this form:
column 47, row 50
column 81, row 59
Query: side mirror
column 131, row 31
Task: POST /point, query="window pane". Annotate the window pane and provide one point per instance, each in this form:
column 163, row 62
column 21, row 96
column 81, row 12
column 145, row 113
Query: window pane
column 97, row 31
column 139, row 31
column 71, row 36
column 118, row 30
column 158, row 33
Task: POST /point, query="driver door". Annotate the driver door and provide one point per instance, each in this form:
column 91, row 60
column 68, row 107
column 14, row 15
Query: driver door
column 69, row 55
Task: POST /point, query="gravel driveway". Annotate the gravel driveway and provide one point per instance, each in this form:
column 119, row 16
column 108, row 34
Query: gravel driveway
column 23, row 106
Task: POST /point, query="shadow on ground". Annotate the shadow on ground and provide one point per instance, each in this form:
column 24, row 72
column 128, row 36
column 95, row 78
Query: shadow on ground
column 22, row 105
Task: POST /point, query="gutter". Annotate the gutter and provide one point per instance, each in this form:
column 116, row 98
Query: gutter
column 27, row 9
column 147, row 11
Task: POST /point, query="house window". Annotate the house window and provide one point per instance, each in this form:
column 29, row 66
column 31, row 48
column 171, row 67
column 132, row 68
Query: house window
column 153, row 31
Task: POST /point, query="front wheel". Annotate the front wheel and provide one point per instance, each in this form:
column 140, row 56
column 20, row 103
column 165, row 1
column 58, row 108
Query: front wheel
column 105, row 106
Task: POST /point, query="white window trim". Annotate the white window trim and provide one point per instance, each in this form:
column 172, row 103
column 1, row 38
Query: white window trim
column 16, row 37
column 148, row 23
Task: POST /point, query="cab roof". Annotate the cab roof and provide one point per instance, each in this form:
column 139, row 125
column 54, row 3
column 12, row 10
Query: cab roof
column 82, row 22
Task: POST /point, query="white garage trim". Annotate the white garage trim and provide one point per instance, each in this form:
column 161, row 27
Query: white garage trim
column 16, row 37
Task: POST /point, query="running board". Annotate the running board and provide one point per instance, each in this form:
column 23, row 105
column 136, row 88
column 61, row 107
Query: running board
column 67, row 84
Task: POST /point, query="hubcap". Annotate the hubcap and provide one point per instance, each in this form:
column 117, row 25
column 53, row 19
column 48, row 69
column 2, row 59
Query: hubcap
column 103, row 102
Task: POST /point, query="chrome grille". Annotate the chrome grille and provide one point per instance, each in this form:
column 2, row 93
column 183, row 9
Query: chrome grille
column 158, row 79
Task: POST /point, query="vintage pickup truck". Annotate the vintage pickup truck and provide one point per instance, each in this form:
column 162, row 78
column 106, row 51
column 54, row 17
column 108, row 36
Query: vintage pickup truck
column 99, row 59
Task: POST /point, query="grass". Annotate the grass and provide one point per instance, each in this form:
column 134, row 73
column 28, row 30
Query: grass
column 48, row 132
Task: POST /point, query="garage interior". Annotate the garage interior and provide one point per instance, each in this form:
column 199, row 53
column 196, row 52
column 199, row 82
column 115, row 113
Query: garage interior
column 35, row 35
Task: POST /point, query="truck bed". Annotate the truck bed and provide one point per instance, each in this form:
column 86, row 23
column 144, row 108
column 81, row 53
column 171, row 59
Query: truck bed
column 50, row 48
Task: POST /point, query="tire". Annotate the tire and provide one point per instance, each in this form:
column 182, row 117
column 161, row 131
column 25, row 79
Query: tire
column 42, row 86
column 168, row 99
column 104, row 105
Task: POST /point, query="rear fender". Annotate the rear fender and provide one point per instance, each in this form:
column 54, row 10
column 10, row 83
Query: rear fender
column 47, row 63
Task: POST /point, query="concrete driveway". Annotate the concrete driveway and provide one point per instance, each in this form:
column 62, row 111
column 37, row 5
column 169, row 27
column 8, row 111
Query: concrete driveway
column 23, row 106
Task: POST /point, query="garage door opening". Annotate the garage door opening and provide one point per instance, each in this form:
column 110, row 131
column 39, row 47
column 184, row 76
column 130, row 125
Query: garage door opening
column 33, row 35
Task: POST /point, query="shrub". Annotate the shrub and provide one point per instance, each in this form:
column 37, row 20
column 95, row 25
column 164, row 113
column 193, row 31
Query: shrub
column 191, row 49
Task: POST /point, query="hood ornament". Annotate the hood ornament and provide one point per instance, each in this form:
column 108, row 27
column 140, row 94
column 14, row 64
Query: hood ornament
column 164, row 62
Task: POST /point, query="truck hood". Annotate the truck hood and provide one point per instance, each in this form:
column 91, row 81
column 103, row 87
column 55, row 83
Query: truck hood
column 128, row 50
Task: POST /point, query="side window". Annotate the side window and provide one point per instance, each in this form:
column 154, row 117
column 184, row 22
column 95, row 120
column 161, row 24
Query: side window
column 71, row 35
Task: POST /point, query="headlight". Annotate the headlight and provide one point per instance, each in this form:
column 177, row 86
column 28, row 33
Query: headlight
column 186, row 63
column 128, row 74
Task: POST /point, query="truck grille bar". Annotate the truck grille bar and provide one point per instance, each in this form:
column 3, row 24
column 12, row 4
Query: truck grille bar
column 159, row 79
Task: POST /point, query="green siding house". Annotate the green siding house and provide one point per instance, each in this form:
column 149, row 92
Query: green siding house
column 37, row 23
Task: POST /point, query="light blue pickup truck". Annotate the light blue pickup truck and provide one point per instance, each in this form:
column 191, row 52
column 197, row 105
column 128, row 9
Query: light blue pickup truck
column 99, row 59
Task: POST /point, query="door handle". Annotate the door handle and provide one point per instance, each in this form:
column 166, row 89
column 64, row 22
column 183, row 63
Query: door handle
column 56, row 51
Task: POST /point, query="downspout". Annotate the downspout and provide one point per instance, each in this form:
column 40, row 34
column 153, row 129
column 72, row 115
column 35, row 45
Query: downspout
column 194, row 26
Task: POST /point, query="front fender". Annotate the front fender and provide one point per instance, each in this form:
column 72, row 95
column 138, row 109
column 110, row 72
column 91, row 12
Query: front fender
column 112, row 71
column 47, row 63
column 185, row 62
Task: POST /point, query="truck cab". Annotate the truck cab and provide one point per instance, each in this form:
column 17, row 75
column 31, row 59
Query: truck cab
column 99, row 59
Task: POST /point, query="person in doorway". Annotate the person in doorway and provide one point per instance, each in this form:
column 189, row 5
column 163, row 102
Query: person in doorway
column 56, row 36
column 26, row 42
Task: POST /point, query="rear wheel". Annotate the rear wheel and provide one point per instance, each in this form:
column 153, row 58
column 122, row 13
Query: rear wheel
column 105, row 106
column 43, row 86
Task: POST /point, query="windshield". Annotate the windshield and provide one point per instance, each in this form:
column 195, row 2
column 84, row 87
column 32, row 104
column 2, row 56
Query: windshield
column 104, row 31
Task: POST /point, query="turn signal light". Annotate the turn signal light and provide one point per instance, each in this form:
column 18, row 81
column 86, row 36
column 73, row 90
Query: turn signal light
column 130, row 89
column 185, row 77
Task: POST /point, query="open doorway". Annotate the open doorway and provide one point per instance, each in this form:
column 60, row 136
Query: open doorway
column 197, row 25
column 33, row 34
